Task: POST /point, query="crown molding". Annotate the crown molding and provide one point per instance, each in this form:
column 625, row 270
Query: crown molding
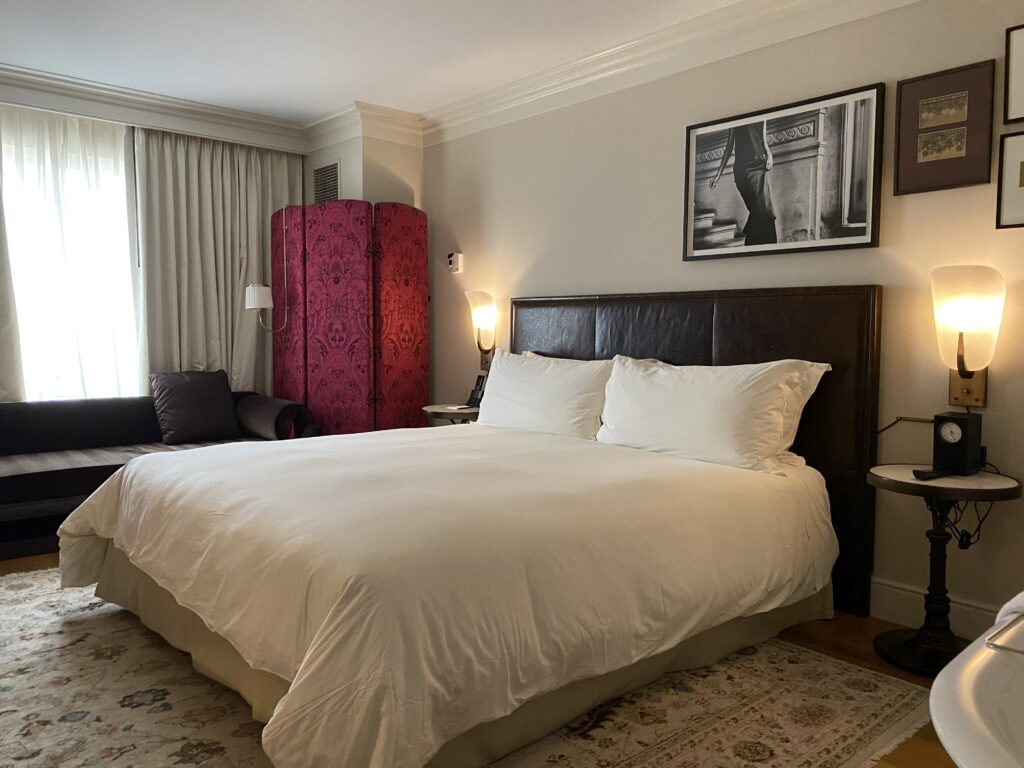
column 739, row 28
column 360, row 118
column 334, row 128
column 391, row 124
column 43, row 90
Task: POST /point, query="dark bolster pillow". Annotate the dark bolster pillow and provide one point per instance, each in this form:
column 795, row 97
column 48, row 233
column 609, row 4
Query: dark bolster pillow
column 193, row 406
column 274, row 419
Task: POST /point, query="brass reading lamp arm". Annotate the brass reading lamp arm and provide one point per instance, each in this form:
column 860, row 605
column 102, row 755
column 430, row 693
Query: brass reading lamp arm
column 259, row 316
column 284, row 257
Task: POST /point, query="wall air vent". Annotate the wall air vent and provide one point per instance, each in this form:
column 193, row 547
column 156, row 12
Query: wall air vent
column 326, row 183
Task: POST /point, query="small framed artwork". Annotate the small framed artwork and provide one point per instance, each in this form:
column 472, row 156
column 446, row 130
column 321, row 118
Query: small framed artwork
column 1013, row 101
column 1010, row 195
column 800, row 177
column 944, row 129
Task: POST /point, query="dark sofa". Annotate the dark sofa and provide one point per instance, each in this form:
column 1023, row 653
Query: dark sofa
column 54, row 454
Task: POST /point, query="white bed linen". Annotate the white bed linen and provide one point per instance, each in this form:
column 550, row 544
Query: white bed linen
column 414, row 583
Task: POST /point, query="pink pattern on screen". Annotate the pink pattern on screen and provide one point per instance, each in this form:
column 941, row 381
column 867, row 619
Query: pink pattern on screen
column 402, row 308
column 339, row 298
column 289, row 345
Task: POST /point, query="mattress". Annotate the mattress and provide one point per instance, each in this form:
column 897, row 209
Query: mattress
column 414, row 584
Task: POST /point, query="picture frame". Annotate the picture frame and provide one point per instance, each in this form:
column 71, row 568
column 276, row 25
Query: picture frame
column 1013, row 81
column 944, row 129
column 1010, row 187
column 809, row 178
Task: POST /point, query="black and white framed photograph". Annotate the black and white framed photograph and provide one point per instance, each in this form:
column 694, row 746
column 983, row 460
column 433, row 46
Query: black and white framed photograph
column 1013, row 98
column 1010, row 194
column 801, row 177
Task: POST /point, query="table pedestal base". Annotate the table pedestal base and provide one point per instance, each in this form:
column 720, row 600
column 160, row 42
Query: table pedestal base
column 918, row 650
column 928, row 649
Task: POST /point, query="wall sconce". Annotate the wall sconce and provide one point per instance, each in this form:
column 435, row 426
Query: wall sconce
column 258, row 296
column 968, row 304
column 485, row 319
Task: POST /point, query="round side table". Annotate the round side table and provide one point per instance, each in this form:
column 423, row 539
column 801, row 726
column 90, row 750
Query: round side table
column 452, row 413
column 927, row 650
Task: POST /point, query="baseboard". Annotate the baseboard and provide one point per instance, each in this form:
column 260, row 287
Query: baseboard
column 904, row 604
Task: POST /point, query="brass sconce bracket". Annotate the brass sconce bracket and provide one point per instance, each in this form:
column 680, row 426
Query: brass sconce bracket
column 969, row 392
column 486, row 353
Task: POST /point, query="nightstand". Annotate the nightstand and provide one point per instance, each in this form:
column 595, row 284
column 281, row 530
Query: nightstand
column 927, row 650
column 453, row 413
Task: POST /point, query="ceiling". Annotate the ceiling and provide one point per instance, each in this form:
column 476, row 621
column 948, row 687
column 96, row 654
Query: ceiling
column 303, row 59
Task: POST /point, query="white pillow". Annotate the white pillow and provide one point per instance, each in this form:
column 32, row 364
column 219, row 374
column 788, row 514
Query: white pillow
column 739, row 415
column 545, row 394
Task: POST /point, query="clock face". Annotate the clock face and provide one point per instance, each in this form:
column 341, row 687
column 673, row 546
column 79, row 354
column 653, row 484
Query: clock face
column 950, row 432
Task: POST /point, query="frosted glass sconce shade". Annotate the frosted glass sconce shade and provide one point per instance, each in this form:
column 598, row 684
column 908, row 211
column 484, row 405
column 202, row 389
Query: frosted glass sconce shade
column 485, row 318
column 968, row 303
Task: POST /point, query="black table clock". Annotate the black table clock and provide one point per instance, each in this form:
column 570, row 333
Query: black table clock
column 956, row 446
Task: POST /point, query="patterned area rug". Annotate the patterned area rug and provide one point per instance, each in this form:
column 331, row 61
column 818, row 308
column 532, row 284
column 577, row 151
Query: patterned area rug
column 83, row 683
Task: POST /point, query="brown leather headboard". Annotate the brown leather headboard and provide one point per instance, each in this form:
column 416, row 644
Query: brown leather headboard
column 838, row 324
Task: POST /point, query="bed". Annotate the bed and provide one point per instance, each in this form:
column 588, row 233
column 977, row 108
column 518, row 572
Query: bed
column 444, row 596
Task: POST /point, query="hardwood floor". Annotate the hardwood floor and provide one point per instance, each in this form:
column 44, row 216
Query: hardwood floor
column 845, row 637
column 23, row 564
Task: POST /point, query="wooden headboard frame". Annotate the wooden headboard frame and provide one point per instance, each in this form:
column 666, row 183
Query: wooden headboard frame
column 839, row 325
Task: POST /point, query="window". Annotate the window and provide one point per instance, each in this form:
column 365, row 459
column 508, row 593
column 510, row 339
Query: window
column 66, row 211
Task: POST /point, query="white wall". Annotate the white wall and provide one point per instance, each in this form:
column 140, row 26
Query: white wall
column 589, row 199
column 392, row 172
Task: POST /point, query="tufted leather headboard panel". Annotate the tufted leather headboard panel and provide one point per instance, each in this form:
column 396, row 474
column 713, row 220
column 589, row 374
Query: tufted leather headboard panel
column 839, row 325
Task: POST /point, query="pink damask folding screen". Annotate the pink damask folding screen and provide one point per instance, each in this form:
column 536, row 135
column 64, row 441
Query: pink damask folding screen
column 402, row 315
column 289, row 344
column 339, row 300
column 361, row 356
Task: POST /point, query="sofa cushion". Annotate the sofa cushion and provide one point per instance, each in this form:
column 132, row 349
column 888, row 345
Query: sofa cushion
column 32, row 476
column 60, row 425
column 193, row 406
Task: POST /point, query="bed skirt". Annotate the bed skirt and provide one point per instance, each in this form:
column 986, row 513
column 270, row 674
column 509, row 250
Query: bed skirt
column 213, row 656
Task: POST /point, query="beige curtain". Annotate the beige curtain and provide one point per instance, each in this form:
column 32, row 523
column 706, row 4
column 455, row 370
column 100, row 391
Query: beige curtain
column 12, row 383
column 203, row 212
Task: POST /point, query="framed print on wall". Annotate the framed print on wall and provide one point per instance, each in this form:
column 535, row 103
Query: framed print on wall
column 801, row 177
column 944, row 129
column 1010, row 195
column 1013, row 101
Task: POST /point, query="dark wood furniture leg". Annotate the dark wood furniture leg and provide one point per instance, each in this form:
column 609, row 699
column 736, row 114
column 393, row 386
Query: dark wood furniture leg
column 927, row 650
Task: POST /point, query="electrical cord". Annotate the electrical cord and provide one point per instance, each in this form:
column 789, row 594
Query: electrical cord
column 898, row 419
column 965, row 538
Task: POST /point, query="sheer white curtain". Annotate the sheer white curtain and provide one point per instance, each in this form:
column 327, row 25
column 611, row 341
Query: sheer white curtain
column 66, row 214
column 12, row 382
column 204, row 233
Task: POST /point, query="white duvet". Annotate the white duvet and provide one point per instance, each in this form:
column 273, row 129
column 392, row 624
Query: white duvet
column 414, row 583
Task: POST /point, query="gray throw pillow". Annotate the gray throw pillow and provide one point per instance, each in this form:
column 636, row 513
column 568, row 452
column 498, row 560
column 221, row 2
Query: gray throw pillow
column 193, row 406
